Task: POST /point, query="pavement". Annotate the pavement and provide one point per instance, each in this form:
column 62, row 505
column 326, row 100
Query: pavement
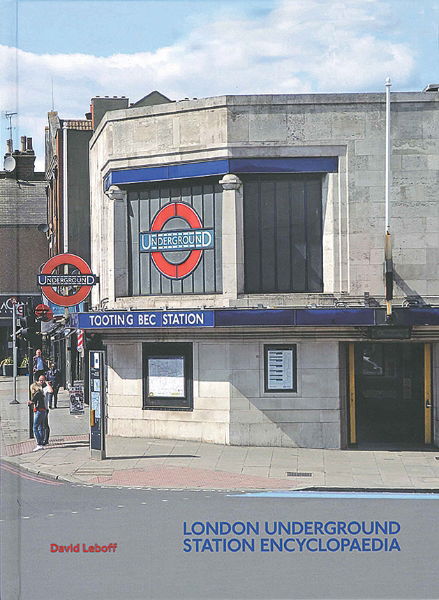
column 177, row 464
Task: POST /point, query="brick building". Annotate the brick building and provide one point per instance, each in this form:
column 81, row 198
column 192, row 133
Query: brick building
column 23, row 248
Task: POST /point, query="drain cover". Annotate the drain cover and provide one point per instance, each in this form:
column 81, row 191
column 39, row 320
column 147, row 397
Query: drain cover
column 298, row 474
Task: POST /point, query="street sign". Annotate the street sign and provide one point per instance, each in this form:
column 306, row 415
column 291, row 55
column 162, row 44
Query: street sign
column 83, row 281
column 43, row 312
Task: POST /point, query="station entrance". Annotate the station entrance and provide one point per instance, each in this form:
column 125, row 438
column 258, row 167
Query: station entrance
column 390, row 394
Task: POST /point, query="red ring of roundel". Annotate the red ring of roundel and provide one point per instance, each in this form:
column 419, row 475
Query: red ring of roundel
column 66, row 259
column 186, row 212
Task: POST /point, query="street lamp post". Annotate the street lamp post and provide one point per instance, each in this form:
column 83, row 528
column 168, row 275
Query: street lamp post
column 14, row 351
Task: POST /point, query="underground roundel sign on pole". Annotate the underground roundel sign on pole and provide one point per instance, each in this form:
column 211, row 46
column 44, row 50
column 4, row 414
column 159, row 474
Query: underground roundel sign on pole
column 191, row 240
column 80, row 282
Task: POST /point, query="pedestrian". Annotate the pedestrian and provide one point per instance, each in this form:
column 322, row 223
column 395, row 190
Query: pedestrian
column 39, row 364
column 39, row 401
column 53, row 376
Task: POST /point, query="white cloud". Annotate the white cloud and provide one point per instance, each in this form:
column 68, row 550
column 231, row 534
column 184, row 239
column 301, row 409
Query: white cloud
column 300, row 46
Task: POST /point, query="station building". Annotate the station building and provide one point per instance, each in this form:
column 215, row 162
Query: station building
column 239, row 242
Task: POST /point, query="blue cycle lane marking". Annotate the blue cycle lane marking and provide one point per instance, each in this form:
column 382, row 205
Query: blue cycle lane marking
column 346, row 495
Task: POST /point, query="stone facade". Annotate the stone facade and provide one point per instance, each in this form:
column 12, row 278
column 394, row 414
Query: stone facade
column 229, row 403
column 231, row 406
column 350, row 127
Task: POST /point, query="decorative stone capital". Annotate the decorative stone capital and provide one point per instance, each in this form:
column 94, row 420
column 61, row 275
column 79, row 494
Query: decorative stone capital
column 231, row 182
column 115, row 193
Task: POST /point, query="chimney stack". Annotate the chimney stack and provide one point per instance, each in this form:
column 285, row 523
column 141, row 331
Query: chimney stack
column 24, row 159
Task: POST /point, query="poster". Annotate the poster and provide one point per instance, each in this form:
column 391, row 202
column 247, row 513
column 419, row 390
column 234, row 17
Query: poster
column 264, row 123
column 166, row 377
column 76, row 394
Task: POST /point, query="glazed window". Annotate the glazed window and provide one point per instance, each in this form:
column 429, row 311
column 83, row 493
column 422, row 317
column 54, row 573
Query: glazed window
column 167, row 376
column 283, row 234
column 280, row 368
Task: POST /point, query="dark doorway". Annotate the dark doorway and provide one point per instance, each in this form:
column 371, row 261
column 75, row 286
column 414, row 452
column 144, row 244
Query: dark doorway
column 390, row 393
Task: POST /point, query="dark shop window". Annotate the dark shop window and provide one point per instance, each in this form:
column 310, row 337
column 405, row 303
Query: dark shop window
column 283, row 234
column 280, row 368
column 167, row 376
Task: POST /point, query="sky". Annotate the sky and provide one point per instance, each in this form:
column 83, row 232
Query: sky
column 60, row 53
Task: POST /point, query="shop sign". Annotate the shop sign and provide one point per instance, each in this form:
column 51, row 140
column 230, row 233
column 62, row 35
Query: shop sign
column 194, row 239
column 7, row 304
column 143, row 319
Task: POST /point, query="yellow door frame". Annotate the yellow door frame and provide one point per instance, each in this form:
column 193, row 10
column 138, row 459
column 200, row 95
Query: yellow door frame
column 352, row 397
column 428, row 404
column 427, row 394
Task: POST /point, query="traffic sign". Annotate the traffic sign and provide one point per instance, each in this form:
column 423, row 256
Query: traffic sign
column 84, row 280
column 43, row 312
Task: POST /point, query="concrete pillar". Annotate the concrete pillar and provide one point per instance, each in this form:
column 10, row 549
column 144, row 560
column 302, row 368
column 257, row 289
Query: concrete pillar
column 117, row 244
column 233, row 236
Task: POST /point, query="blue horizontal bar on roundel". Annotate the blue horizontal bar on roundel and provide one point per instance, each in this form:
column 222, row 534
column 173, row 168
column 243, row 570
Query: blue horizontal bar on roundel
column 174, row 241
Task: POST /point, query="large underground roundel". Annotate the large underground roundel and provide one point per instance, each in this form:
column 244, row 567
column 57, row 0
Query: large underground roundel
column 192, row 239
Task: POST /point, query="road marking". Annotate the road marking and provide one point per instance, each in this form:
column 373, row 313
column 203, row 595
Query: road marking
column 164, row 500
column 74, row 512
column 25, row 517
column 24, row 475
column 344, row 495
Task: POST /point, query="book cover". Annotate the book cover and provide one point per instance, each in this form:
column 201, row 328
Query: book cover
column 219, row 241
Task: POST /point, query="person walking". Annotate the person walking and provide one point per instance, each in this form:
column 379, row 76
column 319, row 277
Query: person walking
column 53, row 376
column 39, row 364
column 39, row 401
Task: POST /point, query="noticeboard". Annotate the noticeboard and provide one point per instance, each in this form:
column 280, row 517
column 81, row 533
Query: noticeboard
column 280, row 368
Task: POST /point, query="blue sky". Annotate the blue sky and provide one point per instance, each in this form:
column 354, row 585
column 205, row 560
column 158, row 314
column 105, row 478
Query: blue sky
column 202, row 48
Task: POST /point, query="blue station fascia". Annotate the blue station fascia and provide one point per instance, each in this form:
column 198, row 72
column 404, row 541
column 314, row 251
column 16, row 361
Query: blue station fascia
column 360, row 317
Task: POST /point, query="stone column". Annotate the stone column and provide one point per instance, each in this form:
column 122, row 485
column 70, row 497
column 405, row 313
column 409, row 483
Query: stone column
column 116, row 244
column 233, row 236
